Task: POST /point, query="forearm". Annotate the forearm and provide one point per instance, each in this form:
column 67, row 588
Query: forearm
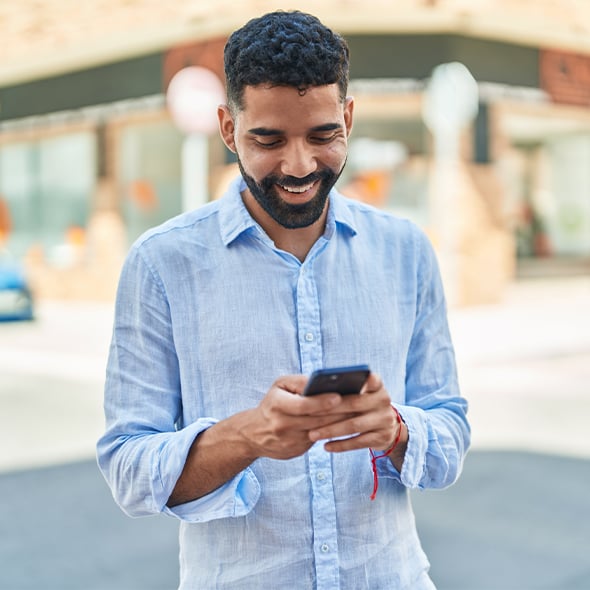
column 217, row 455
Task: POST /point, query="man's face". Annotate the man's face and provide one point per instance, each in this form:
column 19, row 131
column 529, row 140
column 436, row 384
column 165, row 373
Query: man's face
column 291, row 148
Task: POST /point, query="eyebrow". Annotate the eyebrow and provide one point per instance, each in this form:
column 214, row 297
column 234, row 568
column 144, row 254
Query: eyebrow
column 266, row 132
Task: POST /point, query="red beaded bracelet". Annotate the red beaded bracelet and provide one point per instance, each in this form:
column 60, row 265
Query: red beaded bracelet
column 384, row 453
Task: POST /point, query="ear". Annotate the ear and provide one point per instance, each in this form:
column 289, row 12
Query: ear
column 348, row 111
column 226, row 126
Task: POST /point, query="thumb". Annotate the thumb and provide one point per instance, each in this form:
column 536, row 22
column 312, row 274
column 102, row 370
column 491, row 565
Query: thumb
column 372, row 384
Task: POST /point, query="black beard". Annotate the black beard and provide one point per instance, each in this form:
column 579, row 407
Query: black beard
column 285, row 214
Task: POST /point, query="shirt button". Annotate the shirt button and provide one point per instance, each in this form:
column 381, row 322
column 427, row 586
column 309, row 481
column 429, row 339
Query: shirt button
column 321, row 476
column 309, row 337
column 325, row 548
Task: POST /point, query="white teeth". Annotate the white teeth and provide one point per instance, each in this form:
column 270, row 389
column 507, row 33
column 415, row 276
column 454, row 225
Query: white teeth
column 298, row 189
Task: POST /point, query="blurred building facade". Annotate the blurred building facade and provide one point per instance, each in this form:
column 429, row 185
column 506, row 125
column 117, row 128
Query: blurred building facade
column 90, row 157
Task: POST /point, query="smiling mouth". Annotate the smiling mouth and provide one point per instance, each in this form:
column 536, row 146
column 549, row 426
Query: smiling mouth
column 297, row 189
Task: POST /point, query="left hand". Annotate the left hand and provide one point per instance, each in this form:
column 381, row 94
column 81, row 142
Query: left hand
column 372, row 422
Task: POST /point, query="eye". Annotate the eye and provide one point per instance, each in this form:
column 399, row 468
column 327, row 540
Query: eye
column 267, row 144
column 323, row 138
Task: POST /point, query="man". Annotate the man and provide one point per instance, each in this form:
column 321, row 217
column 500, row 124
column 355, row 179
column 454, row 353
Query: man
column 223, row 312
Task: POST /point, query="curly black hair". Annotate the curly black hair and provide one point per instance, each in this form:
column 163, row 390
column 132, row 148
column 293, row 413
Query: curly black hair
column 284, row 48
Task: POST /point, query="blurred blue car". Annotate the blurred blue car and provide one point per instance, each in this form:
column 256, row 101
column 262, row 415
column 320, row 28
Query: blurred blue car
column 16, row 299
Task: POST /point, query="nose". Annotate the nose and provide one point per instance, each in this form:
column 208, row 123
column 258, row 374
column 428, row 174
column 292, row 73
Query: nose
column 299, row 160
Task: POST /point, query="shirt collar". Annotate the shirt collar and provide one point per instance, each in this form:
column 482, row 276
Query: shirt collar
column 235, row 218
column 340, row 214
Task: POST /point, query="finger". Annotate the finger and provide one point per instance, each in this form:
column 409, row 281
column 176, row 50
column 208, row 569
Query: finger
column 320, row 422
column 379, row 421
column 353, row 426
column 350, row 443
column 372, row 384
column 369, row 401
column 299, row 405
column 374, row 440
column 291, row 383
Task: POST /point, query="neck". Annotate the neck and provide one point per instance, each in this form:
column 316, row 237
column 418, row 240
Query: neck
column 295, row 241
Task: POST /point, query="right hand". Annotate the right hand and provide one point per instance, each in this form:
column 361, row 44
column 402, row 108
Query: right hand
column 279, row 426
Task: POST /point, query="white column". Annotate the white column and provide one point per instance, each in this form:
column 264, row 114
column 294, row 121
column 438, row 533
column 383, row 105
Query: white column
column 195, row 171
column 450, row 104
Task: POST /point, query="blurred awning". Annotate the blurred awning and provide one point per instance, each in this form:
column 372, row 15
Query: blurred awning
column 41, row 38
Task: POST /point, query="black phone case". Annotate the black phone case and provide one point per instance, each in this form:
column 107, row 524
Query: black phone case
column 342, row 380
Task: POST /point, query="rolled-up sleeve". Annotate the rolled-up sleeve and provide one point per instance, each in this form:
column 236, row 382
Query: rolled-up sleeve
column 143, row 449
column 434, row 412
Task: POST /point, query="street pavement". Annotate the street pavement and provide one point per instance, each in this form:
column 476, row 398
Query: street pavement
column 518, row 519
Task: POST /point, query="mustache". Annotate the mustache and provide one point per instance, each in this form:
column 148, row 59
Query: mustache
column 295, row 181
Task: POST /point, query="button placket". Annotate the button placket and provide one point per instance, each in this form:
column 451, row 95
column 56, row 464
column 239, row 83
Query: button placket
column 308, row 320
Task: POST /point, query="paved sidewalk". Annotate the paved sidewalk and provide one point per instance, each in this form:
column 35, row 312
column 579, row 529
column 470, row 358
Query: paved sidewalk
column 51, row 384
column 524, row 366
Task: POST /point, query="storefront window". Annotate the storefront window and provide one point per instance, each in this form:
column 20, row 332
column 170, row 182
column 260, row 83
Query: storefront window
column 18, row 188
column 48, row 185
column 67, row 179
column 568, row 198
column 150, row 175
column 544, row 169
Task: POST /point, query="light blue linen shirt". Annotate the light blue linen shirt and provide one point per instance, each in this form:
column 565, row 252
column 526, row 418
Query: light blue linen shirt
column 209, row 313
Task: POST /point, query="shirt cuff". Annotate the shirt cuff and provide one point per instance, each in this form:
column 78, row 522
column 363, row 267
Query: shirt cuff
column 414, row 463
column 236, row 497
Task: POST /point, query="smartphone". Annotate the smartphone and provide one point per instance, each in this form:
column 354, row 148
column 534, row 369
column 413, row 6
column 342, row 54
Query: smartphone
column 342, row 380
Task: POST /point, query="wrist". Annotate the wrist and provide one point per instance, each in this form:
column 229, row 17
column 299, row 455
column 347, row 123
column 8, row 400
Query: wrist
column 246, row 444
column 396, row 451
column 398, row 454
column 399, row 434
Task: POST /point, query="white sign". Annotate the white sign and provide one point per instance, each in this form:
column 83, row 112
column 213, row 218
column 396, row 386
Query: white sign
column 193, row 95
column 451, row 100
